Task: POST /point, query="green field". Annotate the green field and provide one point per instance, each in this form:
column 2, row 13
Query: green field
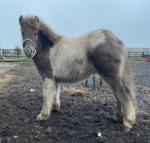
column 137, row 58
column 25, row 60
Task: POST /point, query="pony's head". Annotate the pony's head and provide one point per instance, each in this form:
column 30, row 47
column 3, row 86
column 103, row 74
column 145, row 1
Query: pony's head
column 29, row 30
column 36, row 35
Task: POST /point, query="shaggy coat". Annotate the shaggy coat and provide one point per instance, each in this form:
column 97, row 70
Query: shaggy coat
column 61, row 59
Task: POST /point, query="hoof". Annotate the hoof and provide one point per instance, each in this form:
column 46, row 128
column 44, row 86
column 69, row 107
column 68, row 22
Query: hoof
column 127, row 126
column 117, row 118
column 126, row 130
column 42, row 117
column 56, row 108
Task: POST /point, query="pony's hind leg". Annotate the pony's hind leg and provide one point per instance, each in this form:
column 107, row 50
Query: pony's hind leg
column 113, row 67
column 125, row 107
column 129, row 92
column 118, row 115
column 124, row 91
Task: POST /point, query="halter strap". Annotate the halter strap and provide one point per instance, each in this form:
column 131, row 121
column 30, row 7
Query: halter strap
column 33, row 43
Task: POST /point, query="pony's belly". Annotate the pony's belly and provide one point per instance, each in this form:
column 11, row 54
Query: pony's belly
column 71, row 79
column 72, row 75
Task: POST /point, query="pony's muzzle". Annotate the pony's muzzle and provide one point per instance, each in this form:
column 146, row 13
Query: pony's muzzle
column 29, row 48
column 29, row 51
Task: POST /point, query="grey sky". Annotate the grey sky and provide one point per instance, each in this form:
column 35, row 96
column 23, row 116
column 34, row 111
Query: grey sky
column 129, row 19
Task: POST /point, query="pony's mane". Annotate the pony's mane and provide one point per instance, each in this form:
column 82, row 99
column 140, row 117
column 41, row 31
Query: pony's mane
column 48, row 32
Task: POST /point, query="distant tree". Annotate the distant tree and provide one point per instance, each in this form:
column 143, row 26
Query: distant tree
column 17, row 51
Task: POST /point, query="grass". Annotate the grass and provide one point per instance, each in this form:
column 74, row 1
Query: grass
column 26, row 60
column 137, row 58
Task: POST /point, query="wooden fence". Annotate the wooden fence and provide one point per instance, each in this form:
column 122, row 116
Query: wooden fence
column 19, row 53
column 138, row 54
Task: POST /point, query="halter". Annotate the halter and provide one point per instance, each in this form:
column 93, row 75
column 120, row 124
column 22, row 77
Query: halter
column 33, row 43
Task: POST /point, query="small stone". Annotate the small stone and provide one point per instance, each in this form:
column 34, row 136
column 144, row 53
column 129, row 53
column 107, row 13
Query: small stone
column 32, row 90
column 15, row 137
column 99, row 134
column 48, row 130
column 27, row 120
column 146, row 116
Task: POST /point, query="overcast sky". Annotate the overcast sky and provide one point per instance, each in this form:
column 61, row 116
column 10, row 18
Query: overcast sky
column 128, row 19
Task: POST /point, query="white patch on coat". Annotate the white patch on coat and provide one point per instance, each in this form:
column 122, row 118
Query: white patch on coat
column 68, row 56
column 96, row 38
column 56, row 103
column 130, row 117
column 49, row 91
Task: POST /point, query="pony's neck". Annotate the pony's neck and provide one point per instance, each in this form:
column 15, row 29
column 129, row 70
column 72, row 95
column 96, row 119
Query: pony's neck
column 46, row 36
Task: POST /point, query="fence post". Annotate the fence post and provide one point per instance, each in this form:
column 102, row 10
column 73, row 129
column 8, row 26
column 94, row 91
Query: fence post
column 94, row 82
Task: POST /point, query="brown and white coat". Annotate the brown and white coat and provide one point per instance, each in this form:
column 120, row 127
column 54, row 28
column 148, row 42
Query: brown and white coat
column 60, row 59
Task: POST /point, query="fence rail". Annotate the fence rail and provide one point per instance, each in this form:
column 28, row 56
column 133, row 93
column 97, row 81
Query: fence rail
column 12, row 55
column 138, row 54
column 19, row 53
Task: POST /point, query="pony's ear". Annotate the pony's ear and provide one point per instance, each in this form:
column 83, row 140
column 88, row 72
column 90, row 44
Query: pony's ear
column 36, row 19
column 20, row 18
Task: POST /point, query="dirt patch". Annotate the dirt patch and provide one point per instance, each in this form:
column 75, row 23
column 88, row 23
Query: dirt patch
column 82, row 119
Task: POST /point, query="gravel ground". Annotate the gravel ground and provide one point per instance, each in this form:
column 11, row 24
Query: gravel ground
column 83, row 118
column 5, row 67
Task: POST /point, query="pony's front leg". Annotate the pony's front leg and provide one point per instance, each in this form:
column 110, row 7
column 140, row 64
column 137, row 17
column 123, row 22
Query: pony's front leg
column 49, row 91
column 56, row 103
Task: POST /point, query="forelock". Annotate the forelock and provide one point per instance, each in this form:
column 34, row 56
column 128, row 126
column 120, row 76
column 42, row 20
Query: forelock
column 29, row 21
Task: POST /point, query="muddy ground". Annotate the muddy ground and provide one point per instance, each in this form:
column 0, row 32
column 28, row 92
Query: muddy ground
column 81, row 117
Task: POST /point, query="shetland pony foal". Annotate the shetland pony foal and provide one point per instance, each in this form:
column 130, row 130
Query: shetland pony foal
column 60, row 59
